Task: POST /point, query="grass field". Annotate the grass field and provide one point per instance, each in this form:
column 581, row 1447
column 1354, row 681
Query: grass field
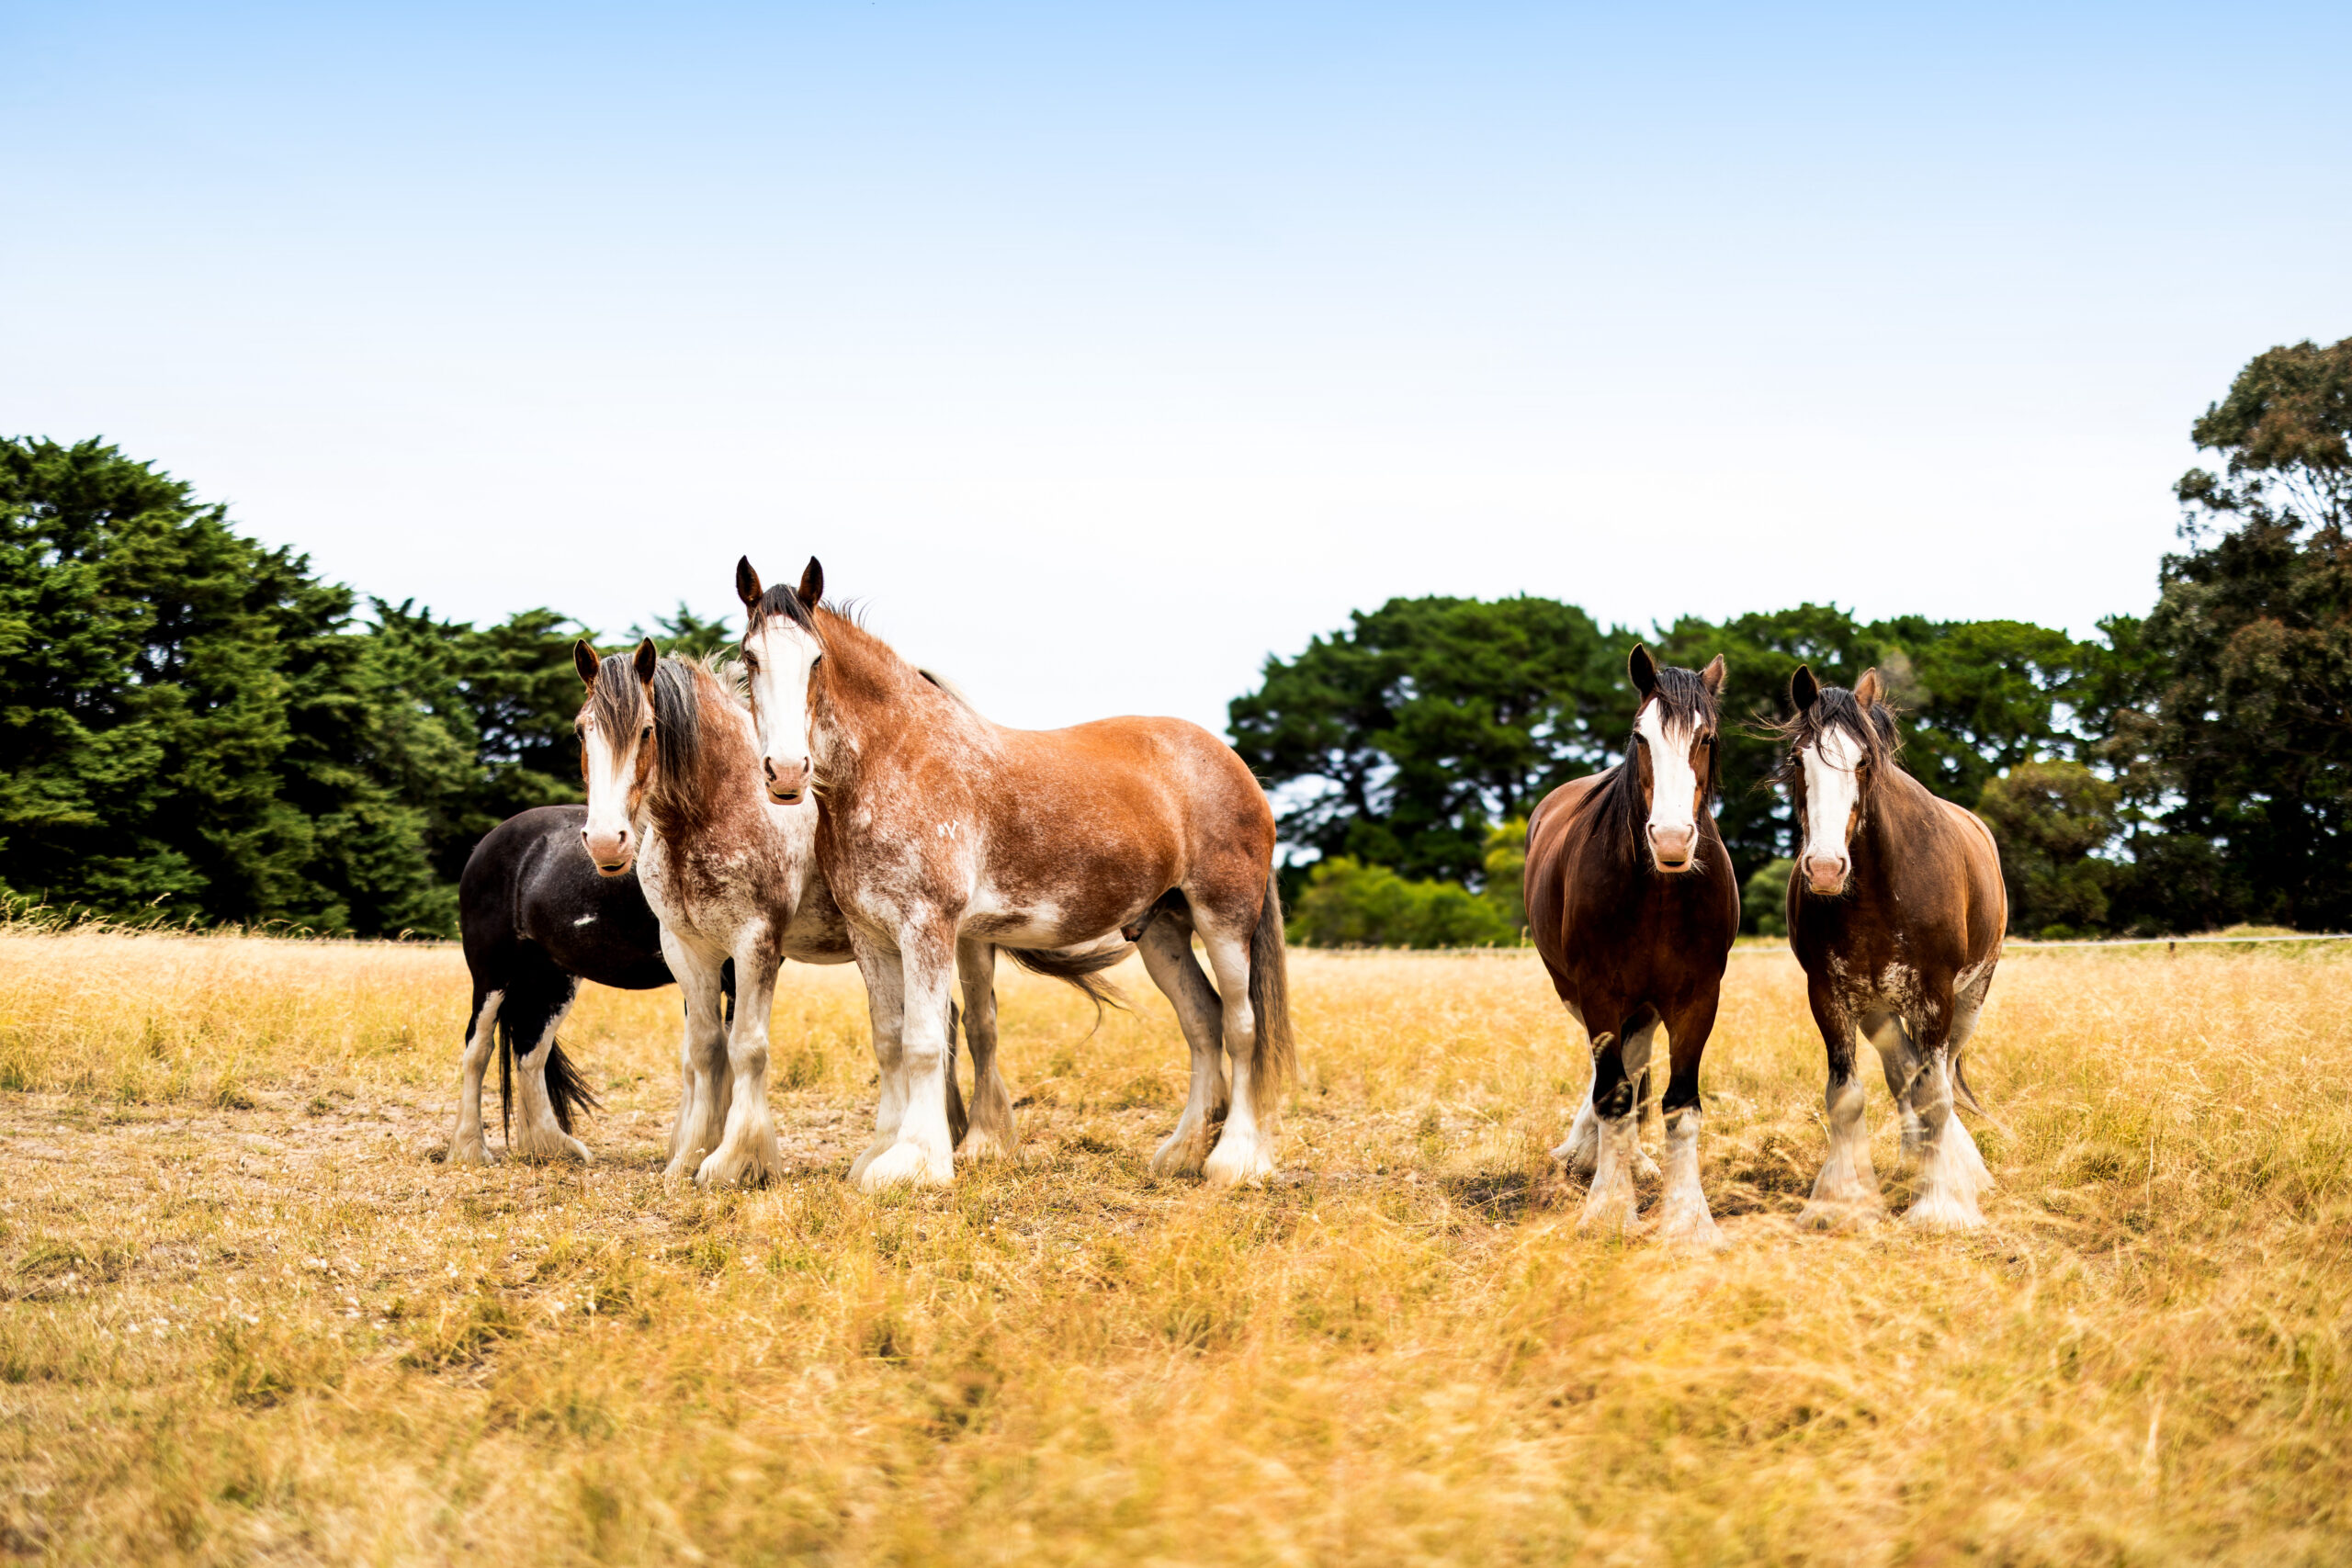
column 247, row 1316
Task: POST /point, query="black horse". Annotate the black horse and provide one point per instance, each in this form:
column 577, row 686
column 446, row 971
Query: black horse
column 537, row 919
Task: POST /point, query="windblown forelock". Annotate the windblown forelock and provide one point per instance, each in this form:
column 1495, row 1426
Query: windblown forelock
column 617, row 702
column 781, row 600
column 1874, row 735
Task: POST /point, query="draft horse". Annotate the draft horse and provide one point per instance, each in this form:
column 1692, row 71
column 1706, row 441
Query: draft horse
column 537, row 920
column 1897, row 913
column 1632, row 906
column 670, row 759
column 944, row 836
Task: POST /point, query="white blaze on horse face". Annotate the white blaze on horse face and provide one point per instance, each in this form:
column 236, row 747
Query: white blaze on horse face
column 782, row 655
column 1674, row 789
column 612, row 780
column 1833, row 789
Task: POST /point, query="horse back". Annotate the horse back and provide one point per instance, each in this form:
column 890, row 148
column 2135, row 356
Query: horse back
column 529, row 881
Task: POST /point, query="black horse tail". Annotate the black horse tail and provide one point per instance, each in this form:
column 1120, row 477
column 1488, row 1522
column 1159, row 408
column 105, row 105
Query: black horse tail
column 1080, row 972
column 1274, row 1057
column 568, row 1091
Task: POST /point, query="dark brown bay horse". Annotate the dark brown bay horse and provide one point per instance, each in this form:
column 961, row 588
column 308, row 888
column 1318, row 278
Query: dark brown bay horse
column 1897, row 912
column 1633, row 905
column 944, row 836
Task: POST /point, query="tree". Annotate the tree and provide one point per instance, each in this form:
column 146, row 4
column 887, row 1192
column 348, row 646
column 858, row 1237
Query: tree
column 179, row 711
column 2246, row 662
column 2051, row 819
column 1349, row 904
column 686, row 634
column 1399, row 740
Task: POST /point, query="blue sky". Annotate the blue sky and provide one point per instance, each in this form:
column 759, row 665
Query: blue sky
column 1105, row 350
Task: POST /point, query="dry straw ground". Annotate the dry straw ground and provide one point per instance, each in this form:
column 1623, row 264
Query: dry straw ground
column 247, row 1316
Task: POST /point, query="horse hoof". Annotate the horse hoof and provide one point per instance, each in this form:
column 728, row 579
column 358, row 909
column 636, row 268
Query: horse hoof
column 1694, row 1229
column 1579, row 1158
column 979, row 1147
column 1180, row 1154
column 1608, row 1213
column 1645, row 1168
column 474, row 1152
column 1232, row 1165
column 1824, row 1216
column 906, row 1165
column 1940, row 1213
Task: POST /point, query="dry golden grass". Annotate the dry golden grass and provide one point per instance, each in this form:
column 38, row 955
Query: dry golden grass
column 247, row 1317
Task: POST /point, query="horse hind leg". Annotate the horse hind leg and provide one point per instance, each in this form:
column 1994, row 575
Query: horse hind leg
column 1898, row 1059
column 748, row 1153
column 990, row 1131
column 1167, row 949
column 468, row 1145
column 535, row 1018
column 1244, row 1154
column 1949, row 1161
column 1639, row 1035
column 705, row 1089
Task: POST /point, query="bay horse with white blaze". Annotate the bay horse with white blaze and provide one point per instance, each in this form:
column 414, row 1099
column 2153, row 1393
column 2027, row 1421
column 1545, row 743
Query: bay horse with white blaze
column 1897, row 912
column 1632, row 906
column 941, row 833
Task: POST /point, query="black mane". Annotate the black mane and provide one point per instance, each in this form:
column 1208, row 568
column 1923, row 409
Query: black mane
column 1835, row 708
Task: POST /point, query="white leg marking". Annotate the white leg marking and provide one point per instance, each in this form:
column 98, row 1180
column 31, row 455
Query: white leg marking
column 990, row 1132
column 1947, row 1197
column 1847, row 1189
column 705, row 1084
column 1610, row 1206
column 467, row 1143
column 884, row 1001
column 1683, row 1219
column 922, row 1155
column 1900, row 1063
column 1244, row 1154
column 537, row 1135
column 748, row 1152
column 1581, row 1152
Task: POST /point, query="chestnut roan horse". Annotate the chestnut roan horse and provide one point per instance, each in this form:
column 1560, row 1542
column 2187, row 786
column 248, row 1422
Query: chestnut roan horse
column 1633, row 905
column 939, row 830
column 1896, row 910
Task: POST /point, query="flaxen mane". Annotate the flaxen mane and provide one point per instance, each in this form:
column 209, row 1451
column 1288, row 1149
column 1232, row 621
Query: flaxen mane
column 618, row 702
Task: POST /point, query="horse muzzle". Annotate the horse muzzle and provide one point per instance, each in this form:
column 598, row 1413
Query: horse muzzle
column 1674, row 850
column 613, row 852
column 1826, row 876
column 786, row 781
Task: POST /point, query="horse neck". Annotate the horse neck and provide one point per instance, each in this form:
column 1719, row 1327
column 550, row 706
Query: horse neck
column 866, row 694
column 1894, row 806
column 725, row 770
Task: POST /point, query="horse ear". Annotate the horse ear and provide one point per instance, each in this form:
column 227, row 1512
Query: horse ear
column 812, row 584
column 1803, row 690
column 747, row 583
column 1866, row 690
column 583, row 659
column 647, row 655
column 1644, row 670
column 1711, row 677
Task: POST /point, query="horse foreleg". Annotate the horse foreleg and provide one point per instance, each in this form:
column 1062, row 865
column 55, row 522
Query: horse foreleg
column 886, row 1009
column 748, row 1151
column 1847, row 1190
column 1610, row 1205
column 1948, row 1158
column 923, row 1154
column 1683, row 1218
column 990, row 1132
column 704, row 1084
column 467, row 1143
column 1167, row 949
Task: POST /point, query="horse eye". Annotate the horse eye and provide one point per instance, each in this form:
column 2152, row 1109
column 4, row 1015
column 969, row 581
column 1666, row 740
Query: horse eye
column 646, row 733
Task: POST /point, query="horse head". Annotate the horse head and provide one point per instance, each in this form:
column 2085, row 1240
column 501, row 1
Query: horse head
column 781, row 651
column 1839, row 742
column 1674, row 754
column 618, row 759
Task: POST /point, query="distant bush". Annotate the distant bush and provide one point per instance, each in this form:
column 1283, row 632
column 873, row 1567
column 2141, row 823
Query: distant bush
column 1350, row 905
column 1764, row 899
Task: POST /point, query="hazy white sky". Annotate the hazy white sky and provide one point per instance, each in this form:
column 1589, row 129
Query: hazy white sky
column 1102, row 351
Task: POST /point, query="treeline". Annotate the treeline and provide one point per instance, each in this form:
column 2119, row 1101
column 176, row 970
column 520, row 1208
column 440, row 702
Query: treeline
column 2188, row 769
column 194, row 727
column 198, row 728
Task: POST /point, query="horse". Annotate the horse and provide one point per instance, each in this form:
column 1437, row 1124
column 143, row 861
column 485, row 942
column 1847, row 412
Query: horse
column 674, row 800
column 537, row 920
column 1632, row 906
column 1897, row 912
column 942, row 835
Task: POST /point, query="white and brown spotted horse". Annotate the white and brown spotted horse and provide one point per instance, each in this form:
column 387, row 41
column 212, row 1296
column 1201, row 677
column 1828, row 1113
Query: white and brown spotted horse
column 1897, row 912
column 1632, row 906
column 941, row 832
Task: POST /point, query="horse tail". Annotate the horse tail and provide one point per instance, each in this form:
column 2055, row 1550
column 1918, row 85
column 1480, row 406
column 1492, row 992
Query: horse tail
column 1079, row 970
column 1275, row 1055
column 568, row 1090
column 1966, row 1095
column 959, row 1121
